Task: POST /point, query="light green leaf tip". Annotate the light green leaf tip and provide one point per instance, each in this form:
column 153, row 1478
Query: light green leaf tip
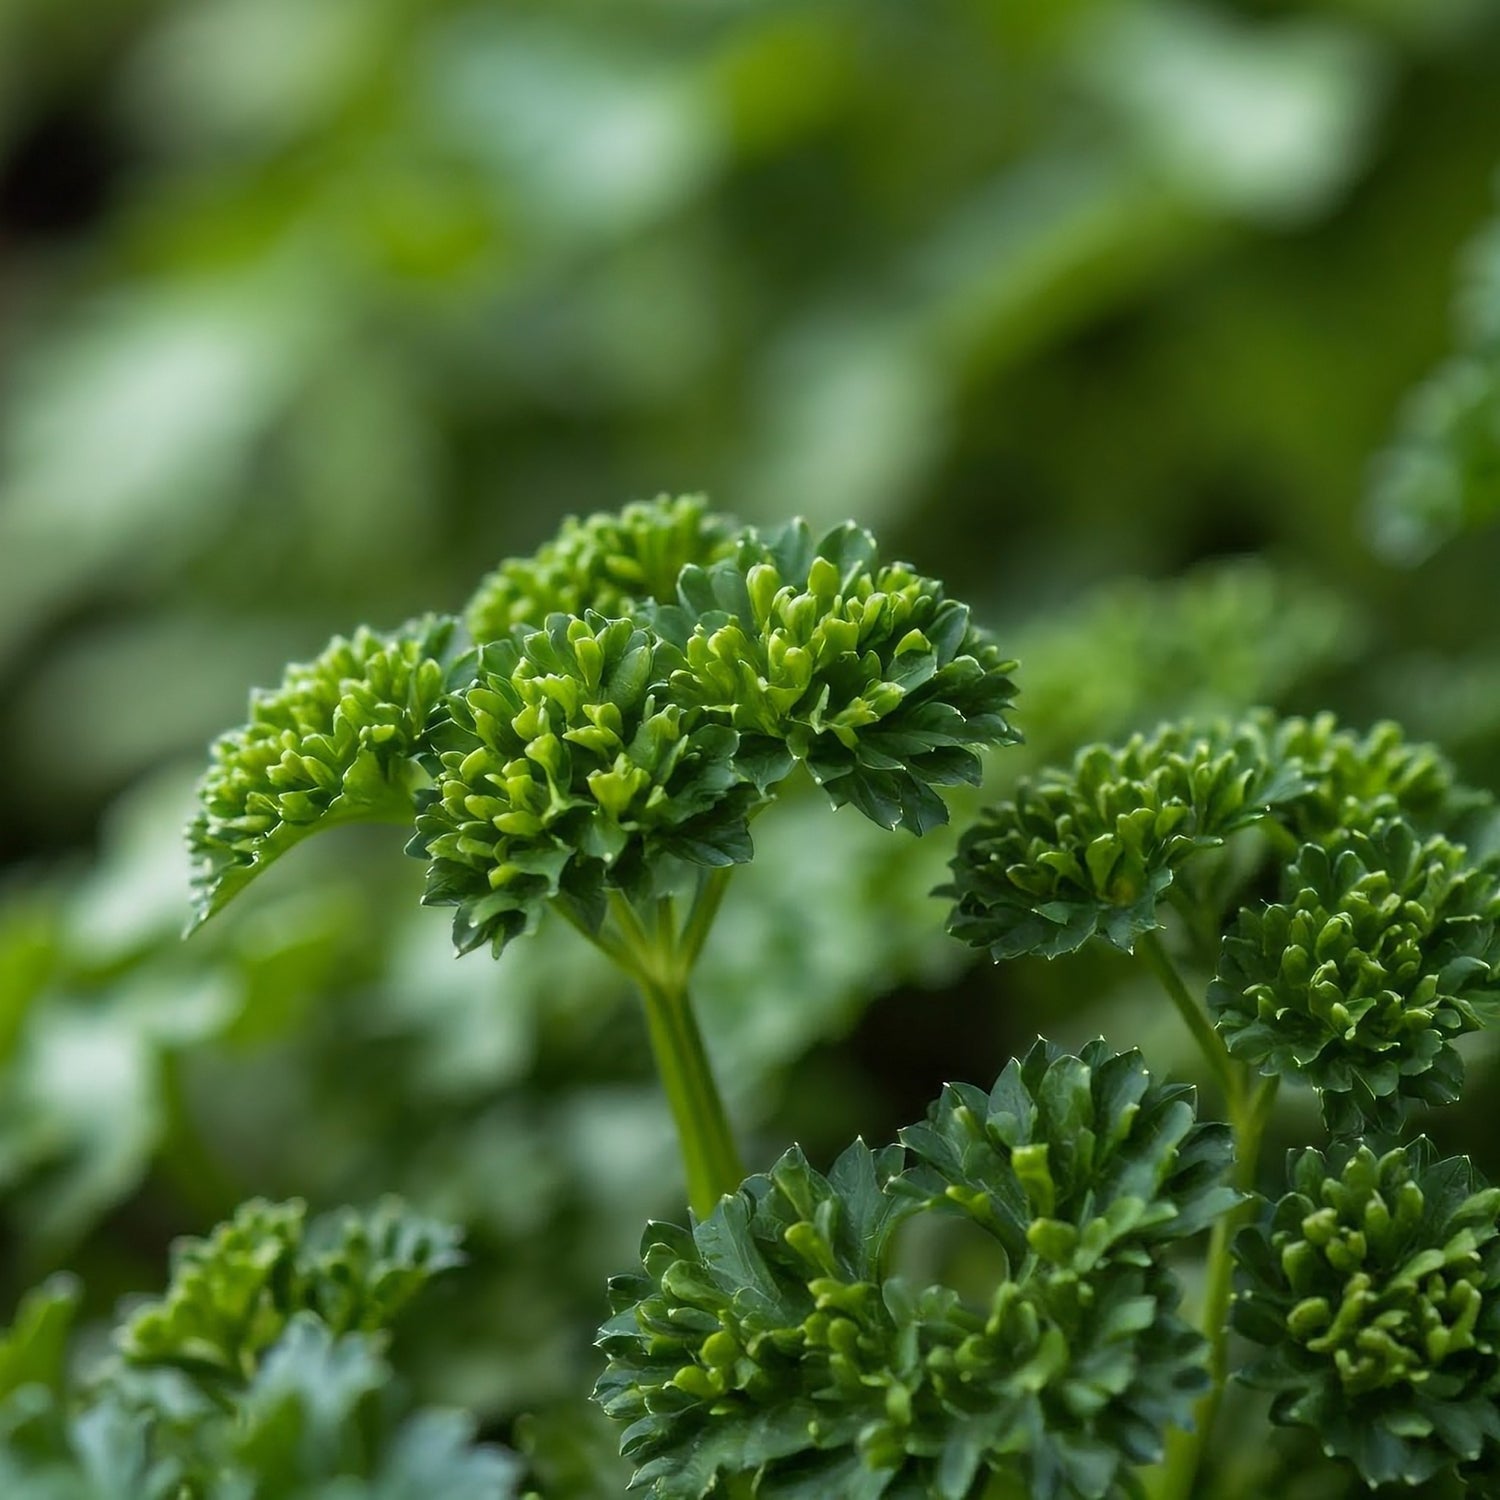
column 613, row 563
column 335, row 743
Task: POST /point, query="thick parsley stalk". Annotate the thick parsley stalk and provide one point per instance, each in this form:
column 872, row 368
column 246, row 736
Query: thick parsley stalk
column 659, row 959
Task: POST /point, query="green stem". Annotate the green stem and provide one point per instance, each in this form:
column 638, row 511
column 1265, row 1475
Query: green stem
column 660, row 962
column 1226, row 1072
column 604, row 941
column 1248, row 1114
column 637, row 940
column 708, row 1151
column 711, row 887
column 1185, row 1449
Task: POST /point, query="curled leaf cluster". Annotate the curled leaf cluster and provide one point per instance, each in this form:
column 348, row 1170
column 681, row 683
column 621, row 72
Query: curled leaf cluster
column 1375, row 1290
column 1092, row 850
column 1358, row 780
column 818, row 652
column 255, row 1379
column 563, row 770
column 1052, row 1159
column 1359, row 979
column 233, row 1295
column 632, row 692
column 613, row 564
column 1361, row 974
column 334, row 742
column 768, row 1352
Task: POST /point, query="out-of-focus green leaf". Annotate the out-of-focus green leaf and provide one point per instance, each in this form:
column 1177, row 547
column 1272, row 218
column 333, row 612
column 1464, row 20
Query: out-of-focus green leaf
column 255, row 1379
column 1440, row 475
column 174, row 387
column 1218, row 640
column 234, row 1295
column 1268, row 121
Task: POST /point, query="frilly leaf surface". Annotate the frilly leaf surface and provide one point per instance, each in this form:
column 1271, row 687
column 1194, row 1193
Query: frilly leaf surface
column 816, row 651
column 767, row 1352
column 1375, row 1290
column 233, row 1294
column 563, row 770
column 312, row 1411
column 611, row 563
column 1083, row 1161
column 1092, row 850
column 1359, row 780
column 1361, row 976
column 333, row 744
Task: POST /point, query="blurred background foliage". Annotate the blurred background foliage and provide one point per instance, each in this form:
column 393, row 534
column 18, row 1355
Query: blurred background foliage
column 1169, row 334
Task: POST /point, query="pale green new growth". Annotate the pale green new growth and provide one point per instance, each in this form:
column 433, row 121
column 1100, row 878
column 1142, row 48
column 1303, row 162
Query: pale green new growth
column 259, row 1376
column 333, row 744
column 742, row 656
column 611, row 564
column 233, row 1295
column 818, row 652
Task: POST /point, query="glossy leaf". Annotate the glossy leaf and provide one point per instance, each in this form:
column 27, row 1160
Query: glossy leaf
column 770, row 1352
column 1375, row 1290
column 1361, row 976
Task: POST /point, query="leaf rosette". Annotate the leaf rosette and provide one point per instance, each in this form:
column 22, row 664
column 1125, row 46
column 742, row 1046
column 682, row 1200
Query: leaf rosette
column 1093, row 850
column 612, row 563
column 1359, row 979
column 255, row 1378
column 1359, row 780
column 817, row 652
column 232, row 1295
column 333, row 744
column 562, row 772
column 768, row 1353
column 1080, row 1160
column 1375, row 1288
